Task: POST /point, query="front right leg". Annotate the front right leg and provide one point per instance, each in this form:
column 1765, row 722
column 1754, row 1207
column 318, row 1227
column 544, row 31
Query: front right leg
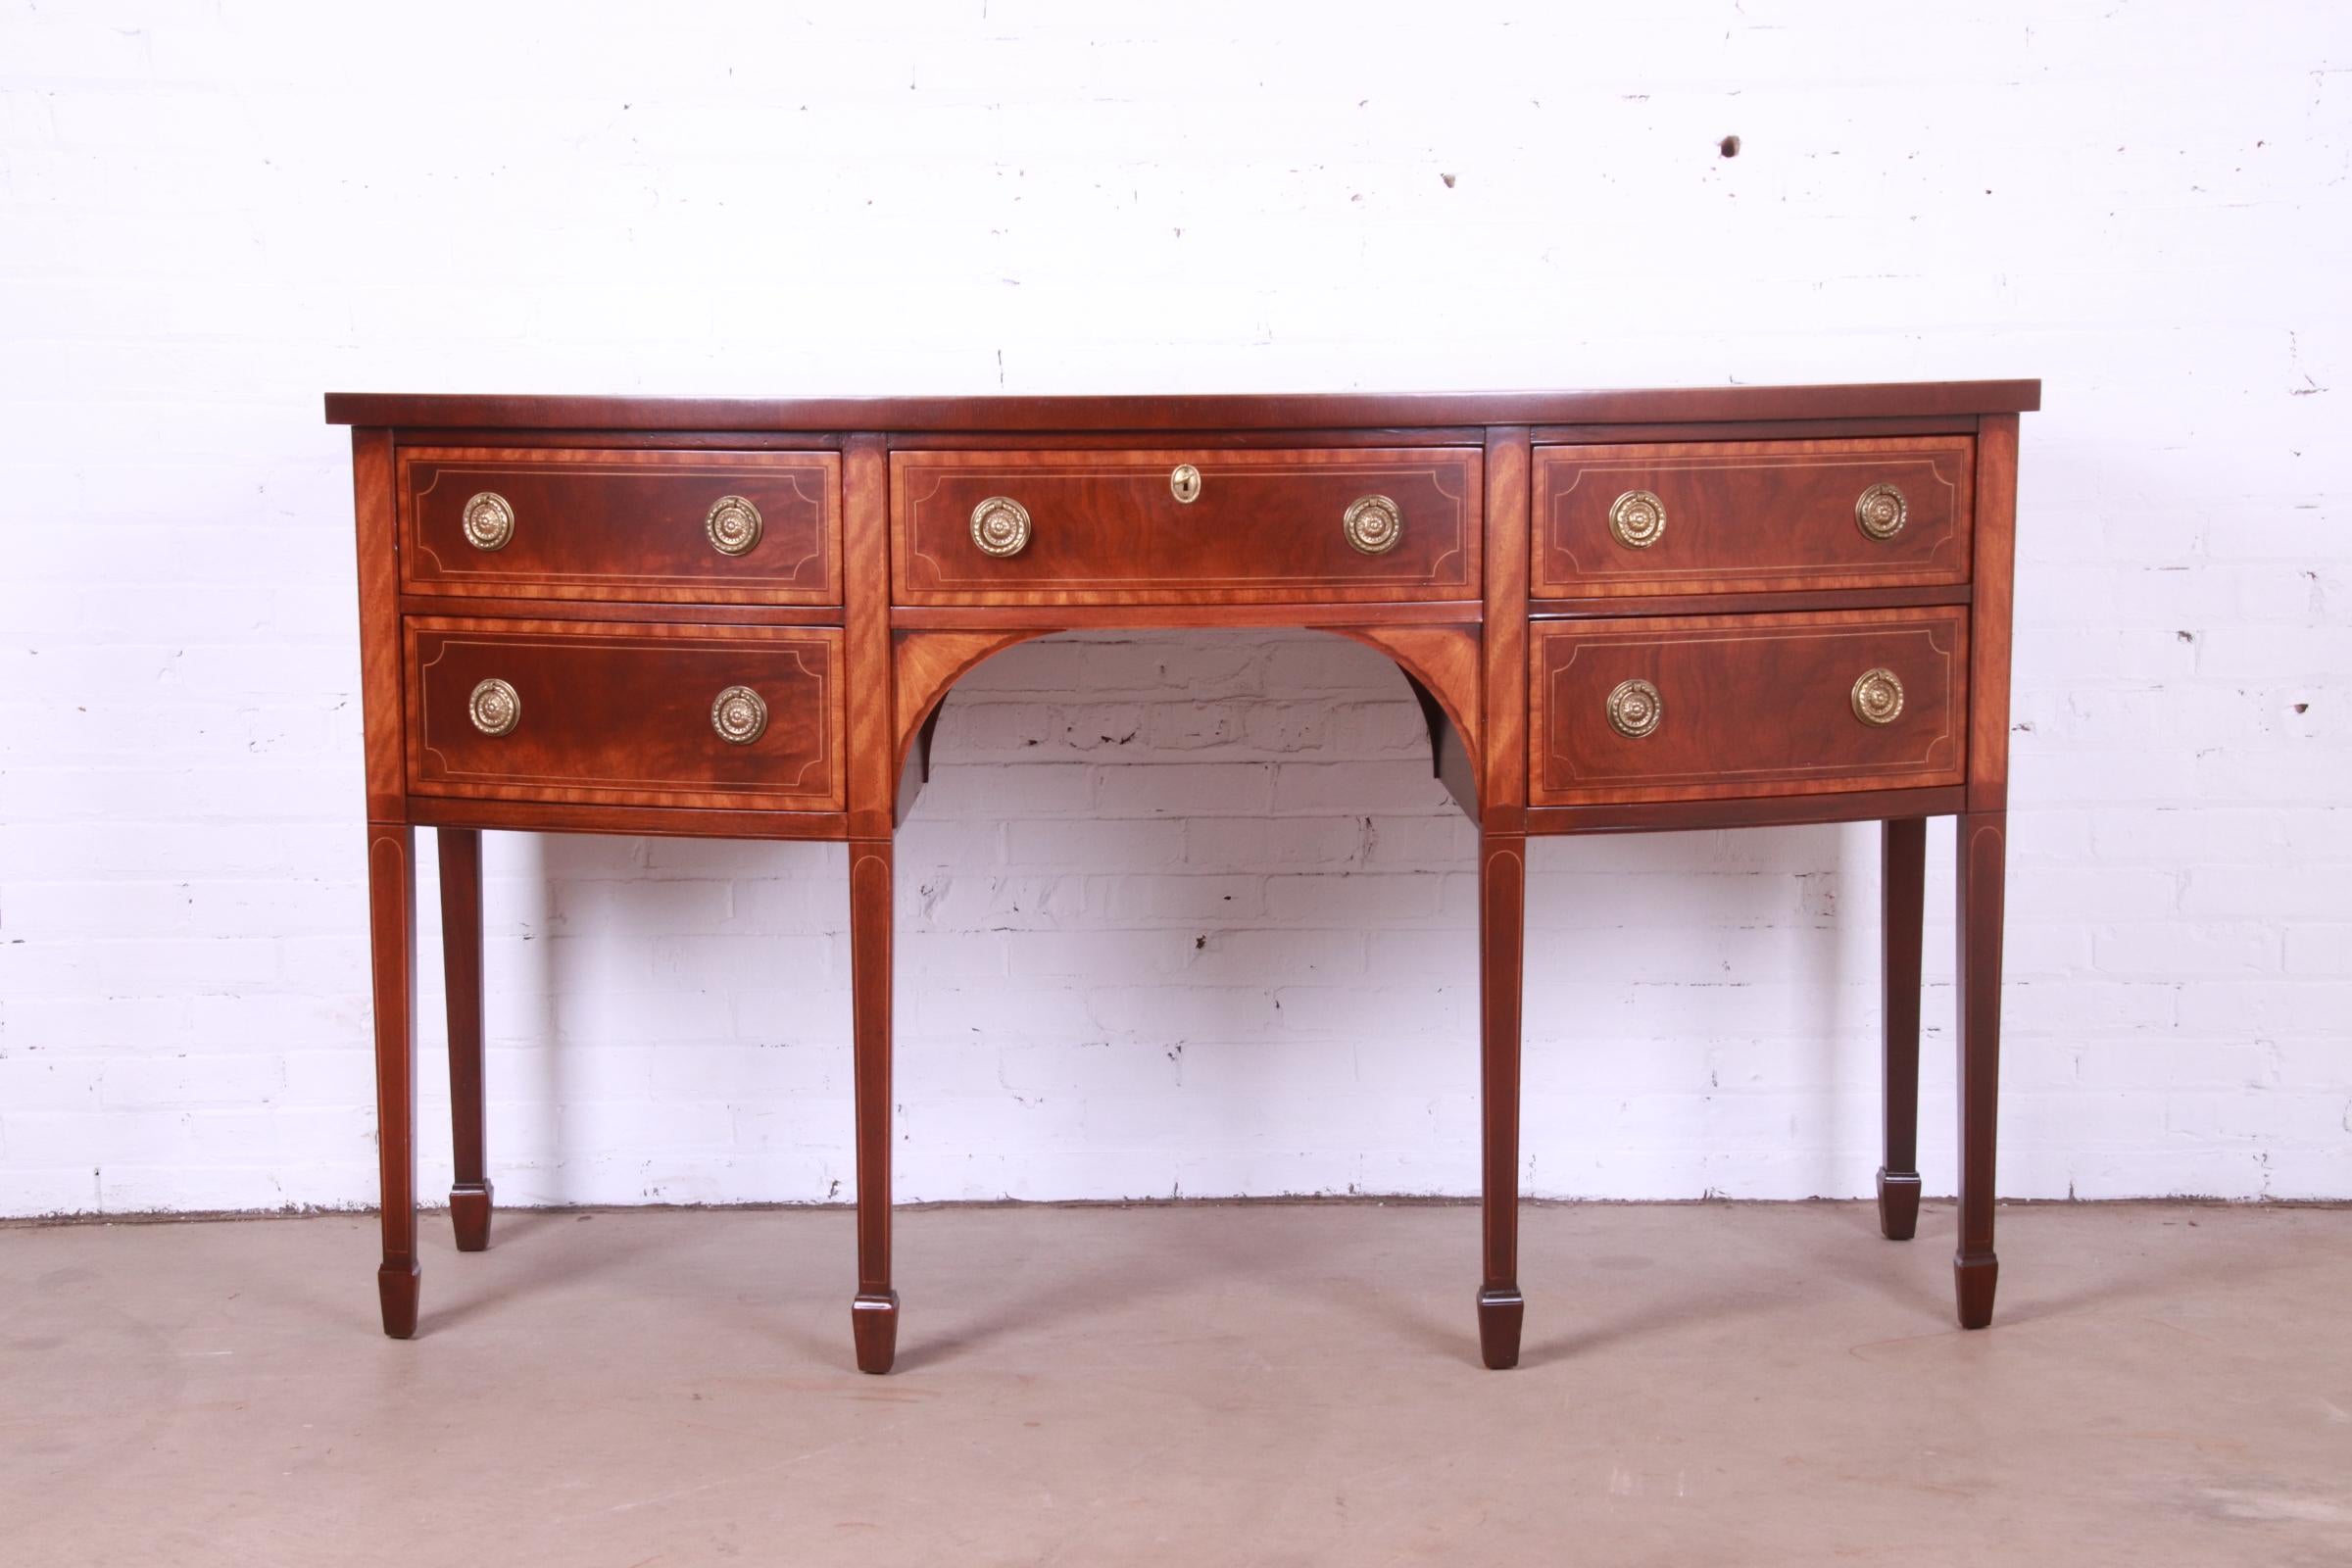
column 392, row 945
column 1983, row 838
column 874, row 1314
column 1502, row 944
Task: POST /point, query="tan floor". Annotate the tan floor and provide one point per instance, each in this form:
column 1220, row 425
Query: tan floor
column 1197, row 1385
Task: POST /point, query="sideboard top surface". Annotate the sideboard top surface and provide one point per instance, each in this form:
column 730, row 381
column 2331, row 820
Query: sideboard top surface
column 1324, row 410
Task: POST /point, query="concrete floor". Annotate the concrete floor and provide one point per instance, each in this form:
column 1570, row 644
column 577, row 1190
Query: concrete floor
column 1201, row 1385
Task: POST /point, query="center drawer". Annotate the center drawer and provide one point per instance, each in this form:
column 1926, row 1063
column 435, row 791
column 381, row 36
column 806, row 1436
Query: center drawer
column 1176, row 526
column 625, row 715
column 1669, row 708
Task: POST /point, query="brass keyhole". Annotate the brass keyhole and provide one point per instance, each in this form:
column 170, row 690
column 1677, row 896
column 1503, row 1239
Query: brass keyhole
column 1185, row 483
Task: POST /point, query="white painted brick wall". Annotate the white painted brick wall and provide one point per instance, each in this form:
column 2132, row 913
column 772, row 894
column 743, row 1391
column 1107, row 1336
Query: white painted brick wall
column 1181, row 913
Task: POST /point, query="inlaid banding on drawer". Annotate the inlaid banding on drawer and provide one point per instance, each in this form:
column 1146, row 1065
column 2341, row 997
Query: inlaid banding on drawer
column 1749, row 516
column 1185, row 526
column 552, row 522
column 625, row 715
column 1720, row 706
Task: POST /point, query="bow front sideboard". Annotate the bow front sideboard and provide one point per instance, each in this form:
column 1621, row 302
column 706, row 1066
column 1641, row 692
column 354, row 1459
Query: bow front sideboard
column 1726, row 607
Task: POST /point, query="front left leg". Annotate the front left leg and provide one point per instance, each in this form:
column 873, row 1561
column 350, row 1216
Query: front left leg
column 874, row 1314
column 392, row 966
column 1982, row 841
column 1502, row 944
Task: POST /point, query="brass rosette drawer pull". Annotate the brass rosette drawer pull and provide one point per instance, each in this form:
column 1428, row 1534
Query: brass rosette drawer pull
column 1001, row 526
column 495, row 707
column 1374, row 524
column 739, row 715
column 733, row 526
column 1635, row 709
column 488, row 521
column 1877, row 697
column 1638, row 519
column 1882, row 511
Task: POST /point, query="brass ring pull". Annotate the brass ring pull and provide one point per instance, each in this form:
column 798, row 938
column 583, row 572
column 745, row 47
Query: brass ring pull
column 733, row 524
column 1877, row 697
column 495, row 707
column 1185, row 484
column 1373, row 525
column 488, row 521
column 1001, row 526
column 739, row 715
column 1635, row 709
column 1638, row 519
column 1882, row 511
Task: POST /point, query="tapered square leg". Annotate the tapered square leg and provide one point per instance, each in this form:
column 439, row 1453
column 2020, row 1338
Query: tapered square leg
column 874, row 1327
column 1902, row 899
column 1898, row 1205
column 470, row 1216
column 874, row 1313
column 1499, row 1315
column 392, row 970
column 1501, row 943
column 1982, row 863
column 469, row 1194
column 396, row 1291
column 1974, row 1280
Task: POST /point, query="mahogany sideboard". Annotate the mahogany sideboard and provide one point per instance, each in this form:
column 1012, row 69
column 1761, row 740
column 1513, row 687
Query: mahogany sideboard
column 1619, row 611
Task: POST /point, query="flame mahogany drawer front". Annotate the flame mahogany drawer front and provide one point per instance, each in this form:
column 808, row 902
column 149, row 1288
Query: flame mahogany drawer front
column 1751, row 515
column 1717, row 706
column 1179, row 527
column 587, row 713
column 715, row 527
